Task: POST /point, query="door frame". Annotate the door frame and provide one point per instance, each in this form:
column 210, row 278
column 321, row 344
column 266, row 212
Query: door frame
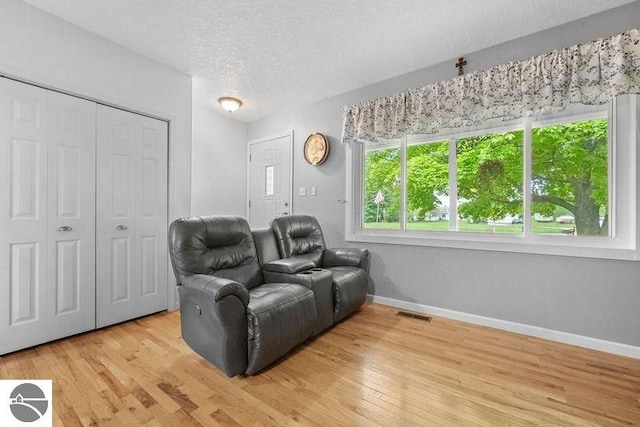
column 255, row 141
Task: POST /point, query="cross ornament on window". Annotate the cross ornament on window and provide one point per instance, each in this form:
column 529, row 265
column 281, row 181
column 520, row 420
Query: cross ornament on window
column 460, row 64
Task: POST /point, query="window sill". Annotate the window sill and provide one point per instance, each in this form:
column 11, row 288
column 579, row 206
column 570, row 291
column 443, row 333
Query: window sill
column 543, row 245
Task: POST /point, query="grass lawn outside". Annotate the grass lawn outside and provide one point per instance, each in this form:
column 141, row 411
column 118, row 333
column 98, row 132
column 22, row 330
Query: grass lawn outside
column 464, row 226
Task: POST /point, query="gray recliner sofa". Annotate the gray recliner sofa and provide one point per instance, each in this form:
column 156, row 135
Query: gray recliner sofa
column 242, row 305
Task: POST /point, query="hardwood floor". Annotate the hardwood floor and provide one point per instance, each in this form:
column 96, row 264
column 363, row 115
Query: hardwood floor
column 375, row 368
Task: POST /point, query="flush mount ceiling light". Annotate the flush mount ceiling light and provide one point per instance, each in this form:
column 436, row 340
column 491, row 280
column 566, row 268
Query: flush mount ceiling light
column 229, row 103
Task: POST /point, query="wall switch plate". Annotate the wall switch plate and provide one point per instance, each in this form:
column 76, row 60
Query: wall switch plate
column 314, row 190
column 302, row 191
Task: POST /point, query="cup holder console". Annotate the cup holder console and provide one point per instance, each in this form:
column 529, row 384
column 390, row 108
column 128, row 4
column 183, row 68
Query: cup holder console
column 312, row 271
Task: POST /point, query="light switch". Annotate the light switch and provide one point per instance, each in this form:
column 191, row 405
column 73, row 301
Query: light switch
column 314, row 190
column 302, row 191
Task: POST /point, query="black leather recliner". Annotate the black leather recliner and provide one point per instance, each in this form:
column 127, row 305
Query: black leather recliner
column 230, row 316
column 300, row 240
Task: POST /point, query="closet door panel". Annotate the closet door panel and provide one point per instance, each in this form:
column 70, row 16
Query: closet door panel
column 152, row 213
column 117, row 271
column 132, row 221
column 71, row 203
column 24, row 283
column 23, row 216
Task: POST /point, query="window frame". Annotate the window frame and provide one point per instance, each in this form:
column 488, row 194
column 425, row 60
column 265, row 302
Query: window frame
column 622, row 189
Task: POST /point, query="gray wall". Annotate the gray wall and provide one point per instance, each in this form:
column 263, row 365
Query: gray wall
column 219, row 155
column 590, row 297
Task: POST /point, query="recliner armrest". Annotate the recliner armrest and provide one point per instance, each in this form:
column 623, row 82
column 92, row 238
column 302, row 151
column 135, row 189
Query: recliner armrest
column 217, row 287
column 289, row 265
column 353, row 257
column 213, row 313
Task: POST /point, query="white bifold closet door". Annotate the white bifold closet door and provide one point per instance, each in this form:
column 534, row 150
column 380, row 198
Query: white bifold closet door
column 131, row 216
column 47, row 215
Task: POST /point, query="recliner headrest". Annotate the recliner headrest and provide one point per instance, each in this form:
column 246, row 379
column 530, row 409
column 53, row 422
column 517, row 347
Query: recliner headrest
column 299, row 235
column 212, row 244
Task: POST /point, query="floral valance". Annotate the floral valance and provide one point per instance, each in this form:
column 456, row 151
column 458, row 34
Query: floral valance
column 589, row 73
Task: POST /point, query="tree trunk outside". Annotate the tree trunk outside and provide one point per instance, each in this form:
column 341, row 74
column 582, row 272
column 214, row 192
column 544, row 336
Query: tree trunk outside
column 587, row 212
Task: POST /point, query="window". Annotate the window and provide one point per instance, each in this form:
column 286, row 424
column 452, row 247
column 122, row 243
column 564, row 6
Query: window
column 428, row 204
column 382, row 188
column 490, row 182
column 543, row 185
column 569, row 182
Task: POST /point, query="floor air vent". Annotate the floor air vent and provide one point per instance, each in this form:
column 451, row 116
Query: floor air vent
column 414, row 316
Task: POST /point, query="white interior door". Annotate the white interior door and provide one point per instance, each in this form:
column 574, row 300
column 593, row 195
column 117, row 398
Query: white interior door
column 269, row 180
column 47, row 159
column 23, row 226
column 72, row 205
column 132, row 216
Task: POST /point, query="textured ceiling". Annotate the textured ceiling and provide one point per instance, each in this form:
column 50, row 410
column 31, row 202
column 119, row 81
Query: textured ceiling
column 281, row 54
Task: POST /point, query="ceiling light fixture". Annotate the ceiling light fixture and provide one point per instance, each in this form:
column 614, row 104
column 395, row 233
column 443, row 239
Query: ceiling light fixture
column 229, row 103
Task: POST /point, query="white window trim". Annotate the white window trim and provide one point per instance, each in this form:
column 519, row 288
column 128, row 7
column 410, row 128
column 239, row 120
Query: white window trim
column 623, row 198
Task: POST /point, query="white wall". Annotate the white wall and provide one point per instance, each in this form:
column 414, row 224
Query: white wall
column 219, row 155
column 588, row 297
column 40, row 48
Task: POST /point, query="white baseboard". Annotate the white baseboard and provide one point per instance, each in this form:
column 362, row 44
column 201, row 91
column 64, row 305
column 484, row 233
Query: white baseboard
column 520, row 328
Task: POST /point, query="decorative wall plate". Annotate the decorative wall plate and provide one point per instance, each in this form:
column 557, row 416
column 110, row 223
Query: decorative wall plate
column 316, row 149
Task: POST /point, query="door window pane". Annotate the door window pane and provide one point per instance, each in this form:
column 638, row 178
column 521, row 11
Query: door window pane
column 268, row 180
column 428, row 186
column 490, row 181
column 570, row 179
column 382, row 188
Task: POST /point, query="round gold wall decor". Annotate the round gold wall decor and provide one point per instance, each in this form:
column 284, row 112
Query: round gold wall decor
column 316, row 149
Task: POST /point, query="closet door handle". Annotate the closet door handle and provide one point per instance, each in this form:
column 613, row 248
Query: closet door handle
column 121, row 227
column 65, row 228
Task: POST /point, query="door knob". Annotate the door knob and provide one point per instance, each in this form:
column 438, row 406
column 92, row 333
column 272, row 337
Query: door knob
column 121, row 227
column 65, row 228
